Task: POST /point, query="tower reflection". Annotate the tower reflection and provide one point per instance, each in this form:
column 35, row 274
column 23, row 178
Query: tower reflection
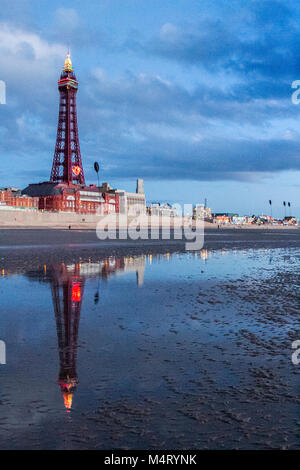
column 67, row 286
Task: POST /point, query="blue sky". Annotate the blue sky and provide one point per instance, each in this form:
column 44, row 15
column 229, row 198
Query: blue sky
column 194, row 97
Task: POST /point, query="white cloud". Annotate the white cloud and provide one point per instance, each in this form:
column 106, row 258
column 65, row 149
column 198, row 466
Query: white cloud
column 28, row 63
column 14, row 41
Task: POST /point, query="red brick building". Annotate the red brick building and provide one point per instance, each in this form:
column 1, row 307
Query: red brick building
column 13, row 198
column 74, row 198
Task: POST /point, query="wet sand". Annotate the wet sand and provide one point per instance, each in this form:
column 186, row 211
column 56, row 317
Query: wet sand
column 27, row 245
column 199, row 357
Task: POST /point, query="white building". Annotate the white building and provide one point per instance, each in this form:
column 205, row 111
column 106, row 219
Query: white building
column 133, row 203
column 164, row 210
column 202, row 212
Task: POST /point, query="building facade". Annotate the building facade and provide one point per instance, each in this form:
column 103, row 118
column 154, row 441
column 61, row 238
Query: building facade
column 74, row 198
column 163, row 210
column 223, row 217
column 202, row 212
column 12, row 197
column 133, row 203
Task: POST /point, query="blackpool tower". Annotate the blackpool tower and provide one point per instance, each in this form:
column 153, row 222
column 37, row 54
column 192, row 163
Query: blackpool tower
column 67, row 163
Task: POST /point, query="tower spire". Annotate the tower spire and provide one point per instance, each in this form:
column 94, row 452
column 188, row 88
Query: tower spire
column 68, row 63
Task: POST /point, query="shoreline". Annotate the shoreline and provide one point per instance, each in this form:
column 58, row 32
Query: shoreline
column 92, row 227
column 26, row 220
column 32, row 236
column 36, row 246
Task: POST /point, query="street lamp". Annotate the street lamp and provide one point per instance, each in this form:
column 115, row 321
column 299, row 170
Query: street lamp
column 270, row 202
column 96, row 168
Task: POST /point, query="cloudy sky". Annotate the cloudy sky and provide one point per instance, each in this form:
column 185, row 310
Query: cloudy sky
column 193, row 96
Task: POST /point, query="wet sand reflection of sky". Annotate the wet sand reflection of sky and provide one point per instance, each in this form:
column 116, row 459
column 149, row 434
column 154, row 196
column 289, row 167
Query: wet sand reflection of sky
column 114, row 327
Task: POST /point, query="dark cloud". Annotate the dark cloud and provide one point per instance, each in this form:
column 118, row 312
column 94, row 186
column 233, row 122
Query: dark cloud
column 236, row 122
column 263, row 42
column 143, row 126
column 212, row 160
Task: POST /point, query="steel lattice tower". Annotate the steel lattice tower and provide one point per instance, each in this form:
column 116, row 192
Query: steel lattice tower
column 67, row 163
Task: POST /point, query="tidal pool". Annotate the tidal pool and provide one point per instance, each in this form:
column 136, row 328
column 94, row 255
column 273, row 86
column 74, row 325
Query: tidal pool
column 176, row 351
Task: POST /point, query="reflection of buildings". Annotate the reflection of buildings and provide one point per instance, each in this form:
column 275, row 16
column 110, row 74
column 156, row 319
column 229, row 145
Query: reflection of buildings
column 108, row 267
column 204, row 254
column 67, row 287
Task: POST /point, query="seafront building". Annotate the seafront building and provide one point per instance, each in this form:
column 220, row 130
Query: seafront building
column 201, row 211
column 132, row 203
column 13, row 198
column 67, row 283
column 223, row 217
column 63, row 197
column 162, row 210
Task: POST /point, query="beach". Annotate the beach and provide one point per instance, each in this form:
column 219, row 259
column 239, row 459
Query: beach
column 175, row 349
column 18, row 245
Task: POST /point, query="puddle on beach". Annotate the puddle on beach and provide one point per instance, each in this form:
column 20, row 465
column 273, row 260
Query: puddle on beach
column 152, row 352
